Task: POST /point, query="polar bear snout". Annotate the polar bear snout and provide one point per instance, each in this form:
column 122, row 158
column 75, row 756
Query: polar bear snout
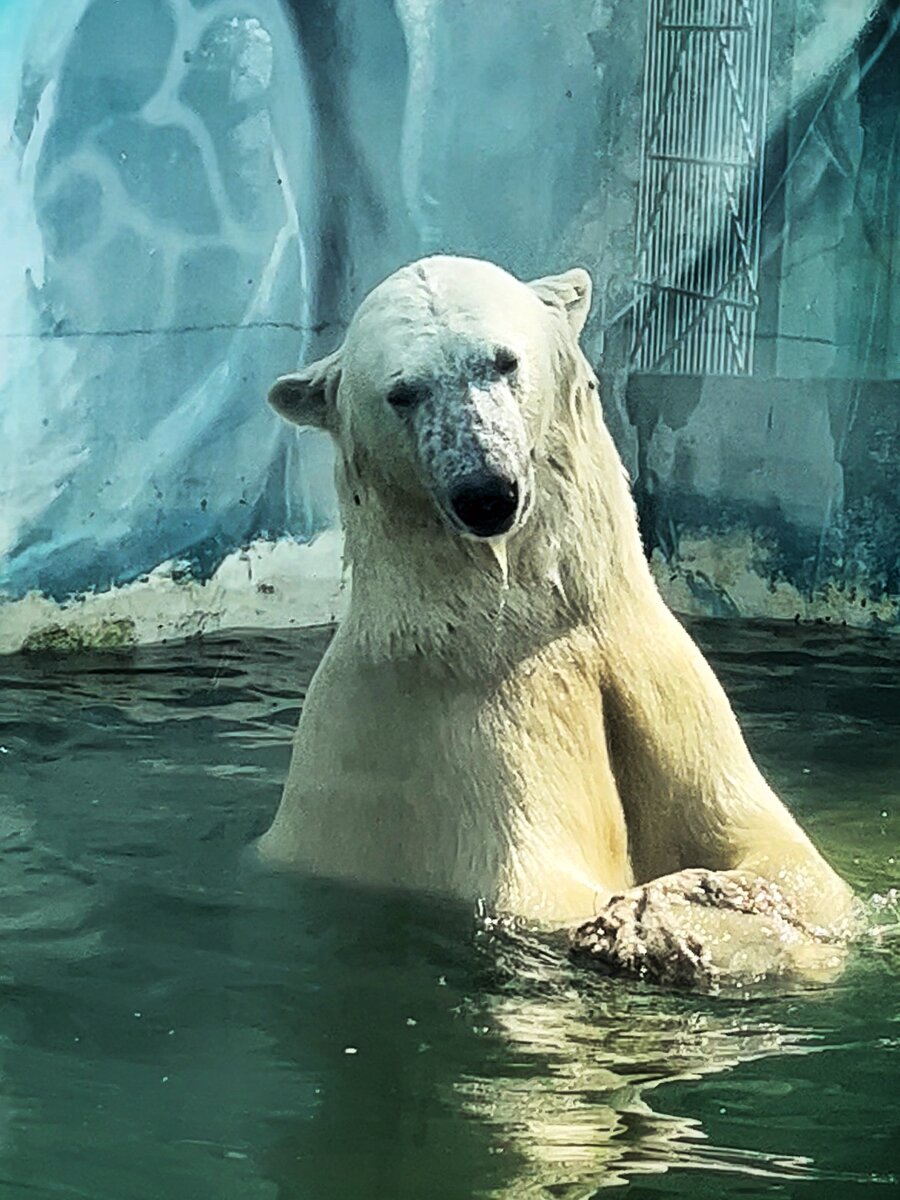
column 474, row 455
column 486, row 504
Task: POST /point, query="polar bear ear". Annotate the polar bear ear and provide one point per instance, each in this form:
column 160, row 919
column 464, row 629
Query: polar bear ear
column 308, row 397
column 570, row 291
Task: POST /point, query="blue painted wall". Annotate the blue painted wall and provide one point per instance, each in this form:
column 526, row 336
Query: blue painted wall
column 197, row 192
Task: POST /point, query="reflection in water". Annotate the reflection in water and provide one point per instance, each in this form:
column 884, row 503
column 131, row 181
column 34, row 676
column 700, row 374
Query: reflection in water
column 174, row 1023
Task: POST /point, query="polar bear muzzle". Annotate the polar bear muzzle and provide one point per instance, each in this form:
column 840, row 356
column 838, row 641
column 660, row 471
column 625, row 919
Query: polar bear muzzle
column 474, row 456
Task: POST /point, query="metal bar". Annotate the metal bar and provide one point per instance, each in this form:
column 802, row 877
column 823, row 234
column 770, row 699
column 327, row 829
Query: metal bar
column 718, row 148
column 746, row 10
column 738, row 164
column 680, row 203
column 730, row 147
column 670, row 27
column 709, row 298
column 700, row 335
column 637, row 309
column 733, row 342
column 657, row 187
column 736, row 97
column 668, row 138
column 662, row 206
column 764, row 43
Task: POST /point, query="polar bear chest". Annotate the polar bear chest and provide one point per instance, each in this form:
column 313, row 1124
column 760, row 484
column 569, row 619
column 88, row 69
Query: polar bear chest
column 407, row 776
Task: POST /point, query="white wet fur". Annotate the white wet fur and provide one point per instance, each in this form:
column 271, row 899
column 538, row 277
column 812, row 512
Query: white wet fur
column 520, row 718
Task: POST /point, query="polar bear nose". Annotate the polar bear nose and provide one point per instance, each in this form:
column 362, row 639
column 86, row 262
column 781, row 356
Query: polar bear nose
column 486, row 503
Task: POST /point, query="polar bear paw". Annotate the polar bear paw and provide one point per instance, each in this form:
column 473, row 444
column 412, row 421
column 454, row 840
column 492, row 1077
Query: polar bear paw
column 704, row 930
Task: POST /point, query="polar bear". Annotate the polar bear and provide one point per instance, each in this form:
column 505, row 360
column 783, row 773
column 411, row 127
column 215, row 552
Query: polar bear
column 509, row 711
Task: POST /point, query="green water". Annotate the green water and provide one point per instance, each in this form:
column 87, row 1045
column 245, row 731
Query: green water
column 174, row 1025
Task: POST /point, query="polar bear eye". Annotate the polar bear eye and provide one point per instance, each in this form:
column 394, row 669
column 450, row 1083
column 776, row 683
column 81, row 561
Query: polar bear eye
column 505, row 361
column 406, row 395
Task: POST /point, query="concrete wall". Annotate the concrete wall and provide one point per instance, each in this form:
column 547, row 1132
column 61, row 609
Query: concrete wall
column 197, row 193
column 779, row 495
column 771, row 498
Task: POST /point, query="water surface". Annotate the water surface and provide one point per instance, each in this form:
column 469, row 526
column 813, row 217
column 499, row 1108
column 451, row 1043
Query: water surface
column 172, row 1025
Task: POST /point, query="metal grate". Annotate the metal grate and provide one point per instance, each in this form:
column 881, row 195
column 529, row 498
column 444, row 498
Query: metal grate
column 703, row 135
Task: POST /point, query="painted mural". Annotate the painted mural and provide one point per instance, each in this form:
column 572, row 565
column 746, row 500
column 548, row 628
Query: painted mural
column 197, row 192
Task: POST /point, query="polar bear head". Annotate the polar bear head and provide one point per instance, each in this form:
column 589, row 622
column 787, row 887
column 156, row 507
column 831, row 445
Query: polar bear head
column 442, row 394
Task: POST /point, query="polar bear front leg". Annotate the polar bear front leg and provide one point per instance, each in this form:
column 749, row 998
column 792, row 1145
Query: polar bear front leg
column 729, row 885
